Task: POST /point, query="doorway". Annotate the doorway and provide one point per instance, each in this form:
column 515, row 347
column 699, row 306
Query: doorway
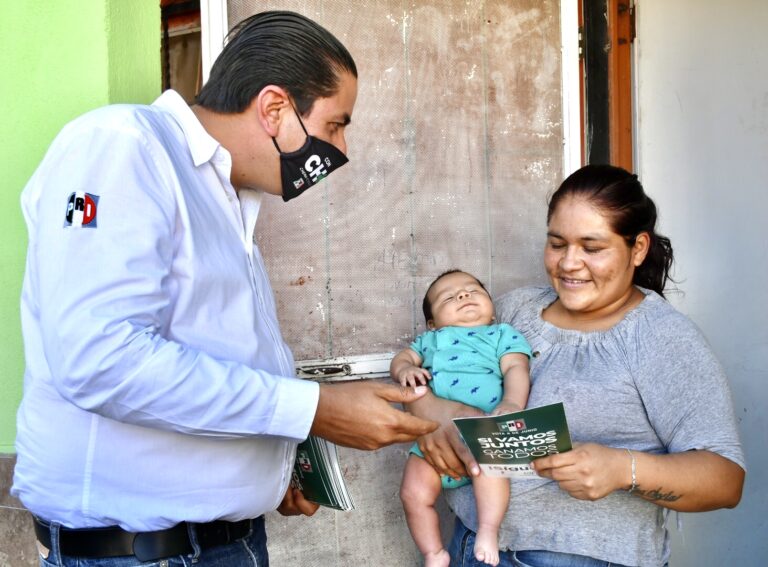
column 607, row 33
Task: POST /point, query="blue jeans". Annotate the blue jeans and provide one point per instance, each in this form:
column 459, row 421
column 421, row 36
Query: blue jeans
column 461, row 550
column 250, row 551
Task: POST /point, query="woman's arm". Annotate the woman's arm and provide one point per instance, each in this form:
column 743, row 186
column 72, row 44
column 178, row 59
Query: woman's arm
column 691, row 481
column 443, row 448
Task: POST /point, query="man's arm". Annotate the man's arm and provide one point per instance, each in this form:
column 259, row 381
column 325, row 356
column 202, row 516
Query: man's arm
column 98, row 301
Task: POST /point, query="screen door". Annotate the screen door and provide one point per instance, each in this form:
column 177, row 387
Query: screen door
column 455, row 141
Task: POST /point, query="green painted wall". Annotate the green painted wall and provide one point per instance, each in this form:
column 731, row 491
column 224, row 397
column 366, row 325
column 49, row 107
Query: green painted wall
column 58, row 59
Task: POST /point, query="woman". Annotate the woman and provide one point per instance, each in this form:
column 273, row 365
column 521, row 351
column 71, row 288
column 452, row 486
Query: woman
column 647, row 403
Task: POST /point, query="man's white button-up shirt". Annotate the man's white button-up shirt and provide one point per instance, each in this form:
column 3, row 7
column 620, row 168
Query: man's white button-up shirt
column 158, row 387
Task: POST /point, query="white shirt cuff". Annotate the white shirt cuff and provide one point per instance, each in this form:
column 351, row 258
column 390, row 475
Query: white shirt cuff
column 295, row 409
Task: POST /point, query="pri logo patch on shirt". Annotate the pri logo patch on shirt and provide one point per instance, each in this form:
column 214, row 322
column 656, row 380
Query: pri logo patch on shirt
column 81, row 210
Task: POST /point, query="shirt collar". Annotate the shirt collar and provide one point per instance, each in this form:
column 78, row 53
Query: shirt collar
column 202, row 145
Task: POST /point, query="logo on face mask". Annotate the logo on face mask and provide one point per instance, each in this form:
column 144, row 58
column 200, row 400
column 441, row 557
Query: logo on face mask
column 308, row 165
column 316, row 168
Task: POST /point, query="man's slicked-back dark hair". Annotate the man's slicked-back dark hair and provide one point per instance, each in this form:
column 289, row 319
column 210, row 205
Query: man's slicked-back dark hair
column 276, row 48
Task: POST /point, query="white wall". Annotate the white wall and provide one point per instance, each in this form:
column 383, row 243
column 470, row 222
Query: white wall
column 702, row 86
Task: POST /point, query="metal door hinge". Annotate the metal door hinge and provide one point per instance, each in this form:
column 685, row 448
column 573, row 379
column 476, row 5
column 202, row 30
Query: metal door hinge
column 345, row 368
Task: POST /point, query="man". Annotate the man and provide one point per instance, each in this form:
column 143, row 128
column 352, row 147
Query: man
column 160, row 414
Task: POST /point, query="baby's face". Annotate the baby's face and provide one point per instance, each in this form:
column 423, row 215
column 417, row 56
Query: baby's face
column 458, row 300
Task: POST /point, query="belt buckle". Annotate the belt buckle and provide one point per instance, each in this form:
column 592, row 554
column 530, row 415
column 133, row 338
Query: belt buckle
column 153, row 546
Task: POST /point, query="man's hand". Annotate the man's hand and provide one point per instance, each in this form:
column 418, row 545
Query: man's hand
column 360, row 415
column 294, row 504
column 443, row 448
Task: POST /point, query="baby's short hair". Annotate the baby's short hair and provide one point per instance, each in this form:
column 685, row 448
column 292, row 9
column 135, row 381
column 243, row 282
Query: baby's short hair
column 426, row 306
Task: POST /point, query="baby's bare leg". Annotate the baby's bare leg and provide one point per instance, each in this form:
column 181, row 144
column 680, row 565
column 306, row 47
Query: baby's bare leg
column 419, row 491
column 492, row 497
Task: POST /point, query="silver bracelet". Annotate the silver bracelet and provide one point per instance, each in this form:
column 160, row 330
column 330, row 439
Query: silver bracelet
column 634, row 473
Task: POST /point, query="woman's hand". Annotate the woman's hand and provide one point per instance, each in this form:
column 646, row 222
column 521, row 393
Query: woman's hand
column 443, row 448
column 589, row 471
column 690, row 481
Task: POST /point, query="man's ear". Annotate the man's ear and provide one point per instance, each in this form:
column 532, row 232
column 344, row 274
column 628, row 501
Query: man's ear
column 269, row 106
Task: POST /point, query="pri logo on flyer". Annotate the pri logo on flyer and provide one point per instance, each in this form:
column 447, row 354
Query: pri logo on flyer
column 304, row 463
column 512, row 426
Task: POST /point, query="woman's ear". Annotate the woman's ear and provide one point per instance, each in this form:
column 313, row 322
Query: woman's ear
column 269, row 105
column 640, row 248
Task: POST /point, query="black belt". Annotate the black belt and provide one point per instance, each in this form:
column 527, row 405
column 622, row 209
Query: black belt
column 146, row 546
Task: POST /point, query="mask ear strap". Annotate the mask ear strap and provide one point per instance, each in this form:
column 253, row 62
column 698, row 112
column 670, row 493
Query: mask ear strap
column 300, row 120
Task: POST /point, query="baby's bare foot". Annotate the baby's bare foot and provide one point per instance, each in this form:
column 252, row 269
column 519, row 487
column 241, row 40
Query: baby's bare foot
column 487, row 546
column 437, row 559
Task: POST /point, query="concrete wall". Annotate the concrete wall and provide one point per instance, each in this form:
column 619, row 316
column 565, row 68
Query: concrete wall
column 702, row 84
column 58, row 60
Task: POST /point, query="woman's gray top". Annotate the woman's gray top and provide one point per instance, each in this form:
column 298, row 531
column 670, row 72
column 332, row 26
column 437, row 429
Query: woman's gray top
column 651, row 383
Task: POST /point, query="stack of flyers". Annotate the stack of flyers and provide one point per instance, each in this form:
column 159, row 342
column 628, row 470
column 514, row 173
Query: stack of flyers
column 318, row 475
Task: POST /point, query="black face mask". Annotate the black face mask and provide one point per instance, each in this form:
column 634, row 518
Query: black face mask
column 308, row 165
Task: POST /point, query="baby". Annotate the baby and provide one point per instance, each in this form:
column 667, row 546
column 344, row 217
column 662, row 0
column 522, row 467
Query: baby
column 466, row 357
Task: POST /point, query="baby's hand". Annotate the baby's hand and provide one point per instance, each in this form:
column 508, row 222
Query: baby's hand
column 413, row 376
column 505, row 407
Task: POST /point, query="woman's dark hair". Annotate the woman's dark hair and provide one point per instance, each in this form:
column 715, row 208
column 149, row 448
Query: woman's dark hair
column 276, row 48
column 426, row 305
column 620, row 197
